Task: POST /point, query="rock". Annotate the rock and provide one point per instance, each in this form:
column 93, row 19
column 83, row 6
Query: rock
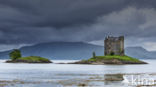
column 114, row 77
column 82, row 85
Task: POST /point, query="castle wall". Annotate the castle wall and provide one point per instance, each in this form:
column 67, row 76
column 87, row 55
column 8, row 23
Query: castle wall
column 114, row 45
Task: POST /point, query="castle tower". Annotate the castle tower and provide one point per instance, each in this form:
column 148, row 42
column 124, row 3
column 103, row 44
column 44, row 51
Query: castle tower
column 114, row 45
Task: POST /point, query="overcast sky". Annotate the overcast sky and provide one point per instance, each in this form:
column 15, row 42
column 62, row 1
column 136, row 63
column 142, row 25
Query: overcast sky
column 26, row 22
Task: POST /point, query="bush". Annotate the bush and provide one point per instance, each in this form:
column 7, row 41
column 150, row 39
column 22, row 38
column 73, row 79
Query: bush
column 15, row 54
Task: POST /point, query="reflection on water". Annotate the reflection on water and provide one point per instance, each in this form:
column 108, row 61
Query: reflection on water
column 52, row 75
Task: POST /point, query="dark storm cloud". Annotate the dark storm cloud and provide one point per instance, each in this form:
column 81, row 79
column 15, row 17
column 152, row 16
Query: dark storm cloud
column 35, row 21
column 58, row 13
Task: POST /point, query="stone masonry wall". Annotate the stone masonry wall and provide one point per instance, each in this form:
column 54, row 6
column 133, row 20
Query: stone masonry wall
column 114, row 45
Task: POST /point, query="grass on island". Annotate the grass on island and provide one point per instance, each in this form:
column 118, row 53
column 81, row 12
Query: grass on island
column 34, row 58
column 31, row 59
column 110, row 57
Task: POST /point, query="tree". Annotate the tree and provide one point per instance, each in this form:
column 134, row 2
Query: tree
column 15, row 54
column 94, row 55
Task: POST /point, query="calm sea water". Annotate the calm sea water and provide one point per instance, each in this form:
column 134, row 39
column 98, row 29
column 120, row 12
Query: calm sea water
column 58, row 75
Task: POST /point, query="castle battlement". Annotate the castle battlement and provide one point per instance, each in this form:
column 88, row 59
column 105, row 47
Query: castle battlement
column 114, row 45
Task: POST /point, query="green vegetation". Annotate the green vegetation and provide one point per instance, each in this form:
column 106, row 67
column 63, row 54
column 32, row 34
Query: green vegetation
column 16, row 57
column 111, row 59
column 15, row 54
column 34, row 59
column 121, row 58
column 30, row 59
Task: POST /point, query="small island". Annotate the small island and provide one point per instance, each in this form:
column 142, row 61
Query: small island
column 111, row 59
column 16, row 57
column 114, row 54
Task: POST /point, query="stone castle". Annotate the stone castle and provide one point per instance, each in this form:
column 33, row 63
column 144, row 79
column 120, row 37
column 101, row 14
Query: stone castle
column 114, row 45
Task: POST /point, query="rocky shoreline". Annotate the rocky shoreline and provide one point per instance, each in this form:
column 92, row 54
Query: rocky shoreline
column 106, row 79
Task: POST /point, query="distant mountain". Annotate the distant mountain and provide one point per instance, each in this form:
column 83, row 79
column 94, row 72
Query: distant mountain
column 139, row 52
column 4, row 55
column 74, row 50
column 60, row 50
